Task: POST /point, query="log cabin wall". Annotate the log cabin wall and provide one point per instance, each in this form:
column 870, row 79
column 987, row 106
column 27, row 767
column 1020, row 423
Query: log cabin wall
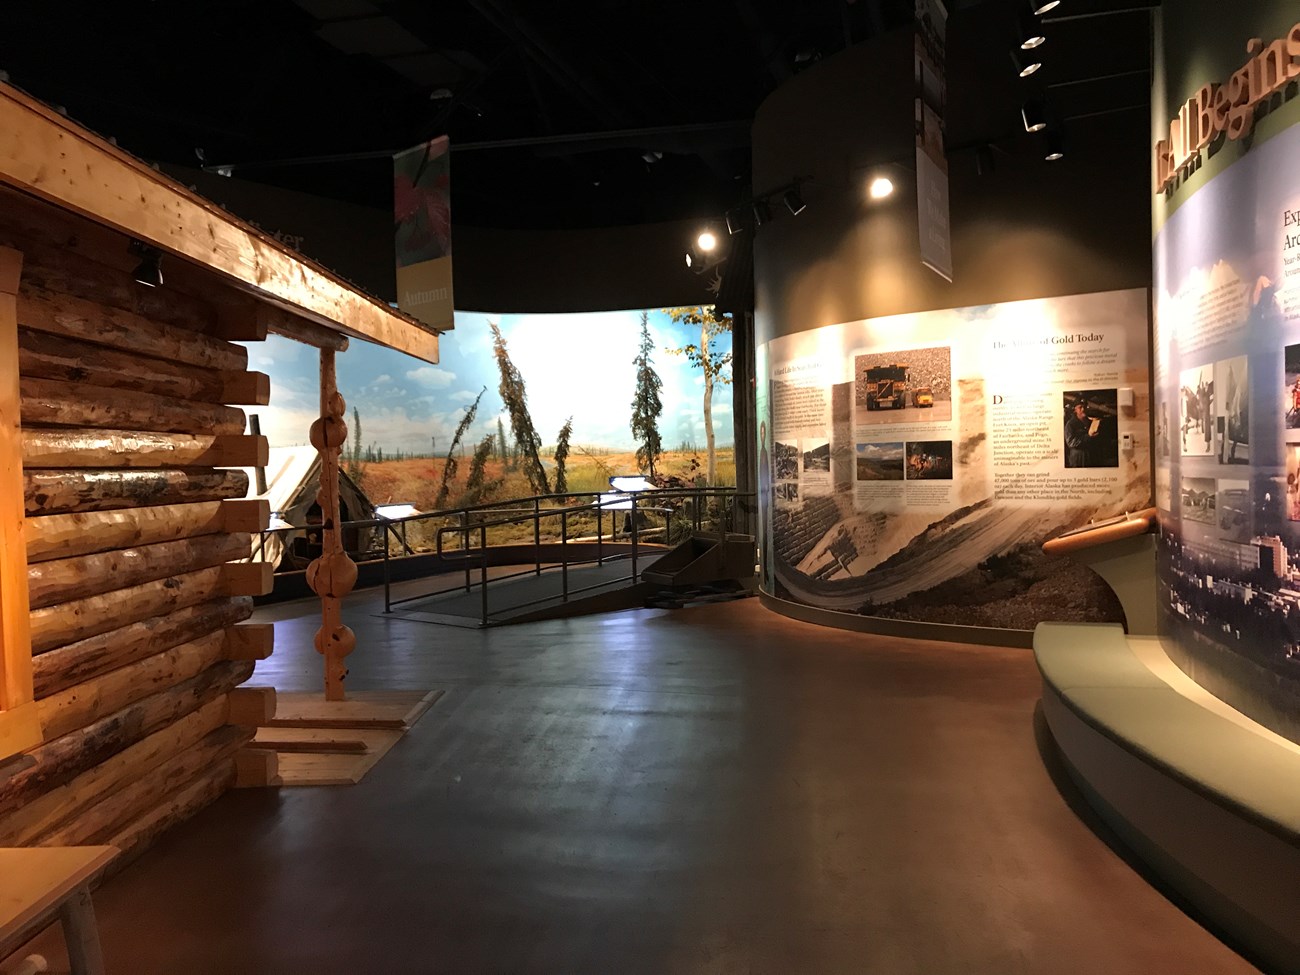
column 134, row 531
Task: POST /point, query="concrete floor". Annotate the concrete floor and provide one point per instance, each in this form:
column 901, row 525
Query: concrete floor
column 717, row 790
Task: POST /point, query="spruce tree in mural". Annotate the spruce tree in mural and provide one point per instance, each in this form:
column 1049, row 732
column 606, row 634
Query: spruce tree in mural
column 502, row 451
column 449, row 468
column 354, row 457
column 712, row 363
column 515, row 398
column 477, row 487
column 562, row 456
column 646, row 404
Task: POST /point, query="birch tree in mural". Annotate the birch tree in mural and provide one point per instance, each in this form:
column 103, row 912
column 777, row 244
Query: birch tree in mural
column 712, row 363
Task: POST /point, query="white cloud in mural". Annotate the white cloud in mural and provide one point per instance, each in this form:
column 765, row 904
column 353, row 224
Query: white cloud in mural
column 383, row 380
column 432, row 377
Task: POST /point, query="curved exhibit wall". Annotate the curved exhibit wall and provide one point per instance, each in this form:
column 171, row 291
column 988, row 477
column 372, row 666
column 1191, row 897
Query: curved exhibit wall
column 918, row 438
column 1227, row 354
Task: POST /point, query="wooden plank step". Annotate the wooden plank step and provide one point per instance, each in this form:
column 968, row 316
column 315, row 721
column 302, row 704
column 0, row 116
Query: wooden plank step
column 392, row 710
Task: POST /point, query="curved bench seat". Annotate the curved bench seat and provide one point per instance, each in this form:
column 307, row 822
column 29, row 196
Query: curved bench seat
column 1210, row 801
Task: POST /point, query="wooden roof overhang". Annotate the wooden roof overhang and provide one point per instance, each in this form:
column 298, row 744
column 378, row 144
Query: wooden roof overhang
column 46, row 155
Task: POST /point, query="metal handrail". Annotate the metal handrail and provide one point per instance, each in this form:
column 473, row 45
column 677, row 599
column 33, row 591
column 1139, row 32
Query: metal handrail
column 529, row 509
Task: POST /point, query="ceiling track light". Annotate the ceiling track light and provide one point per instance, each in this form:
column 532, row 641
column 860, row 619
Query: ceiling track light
column 149, row 271
column 1024, row 64
column 793, row 200
column 1034, row 114
column 1029, row 31
column 1055, row 146
column 1040, row 7
column 762, row 213
column 735, row 221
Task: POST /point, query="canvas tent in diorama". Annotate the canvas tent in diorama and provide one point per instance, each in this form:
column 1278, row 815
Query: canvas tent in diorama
column 290, row 483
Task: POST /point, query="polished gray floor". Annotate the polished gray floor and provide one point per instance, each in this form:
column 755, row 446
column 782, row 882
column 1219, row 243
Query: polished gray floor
column 715, row 789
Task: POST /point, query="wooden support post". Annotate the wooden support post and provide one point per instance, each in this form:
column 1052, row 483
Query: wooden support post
column 19, row 727
column 333, row 574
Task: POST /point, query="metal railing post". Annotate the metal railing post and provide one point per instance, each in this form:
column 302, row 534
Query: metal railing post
column 483, row 570
column 464, row 545
column 537, row 535
column 635, row 533
column 564, row 553
column 388, row 593
column 600, row 532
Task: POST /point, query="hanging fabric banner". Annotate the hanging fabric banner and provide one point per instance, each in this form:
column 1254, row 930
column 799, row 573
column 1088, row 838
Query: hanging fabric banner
column 422, row 212
column 931, row 163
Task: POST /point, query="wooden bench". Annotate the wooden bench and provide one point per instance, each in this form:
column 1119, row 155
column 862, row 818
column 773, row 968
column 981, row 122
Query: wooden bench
column 38, row 882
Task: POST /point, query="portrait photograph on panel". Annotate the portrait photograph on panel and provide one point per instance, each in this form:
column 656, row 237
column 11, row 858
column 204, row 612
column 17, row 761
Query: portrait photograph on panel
column 1232, row 411
column 1091, row 419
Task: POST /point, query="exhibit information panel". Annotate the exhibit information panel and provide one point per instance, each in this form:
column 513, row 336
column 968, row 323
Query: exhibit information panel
column 1227, row 464
column 912, row 466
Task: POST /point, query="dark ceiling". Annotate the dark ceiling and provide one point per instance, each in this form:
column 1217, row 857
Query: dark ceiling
column 561, row 114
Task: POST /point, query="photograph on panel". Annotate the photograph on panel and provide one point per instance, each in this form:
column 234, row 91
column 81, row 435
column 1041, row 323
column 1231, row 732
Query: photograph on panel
column 880, row 461
column 1293, row 483
column 787, row 493
column 1232, row 510
column 1162, row 431
column 1232, row 411
column 929, row 460
column 785, row 461
column 1291, row 394
column 816, row 454
column 1198, row 501
column 912, row 385
column 1091, row 422
column 1196, row 410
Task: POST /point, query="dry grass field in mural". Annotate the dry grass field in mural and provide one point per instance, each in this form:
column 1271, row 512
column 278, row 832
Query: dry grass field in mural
column 415, row 481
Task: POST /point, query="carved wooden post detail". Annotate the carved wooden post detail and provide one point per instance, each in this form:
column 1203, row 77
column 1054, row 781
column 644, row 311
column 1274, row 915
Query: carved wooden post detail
column 333, row 574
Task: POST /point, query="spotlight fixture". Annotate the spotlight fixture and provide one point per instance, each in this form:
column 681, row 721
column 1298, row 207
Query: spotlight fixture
column 794, row 201
column 1040, row 7
column 1055, row 146
column 735, row 221
column 1025, row 64
column 1030, row 31
column 706, row 241
column 762, row 213
column 880, row 187
column 1034, row 115
column 149, row 271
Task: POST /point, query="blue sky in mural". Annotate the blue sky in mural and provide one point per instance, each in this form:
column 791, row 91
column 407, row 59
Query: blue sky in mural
column 579, row 365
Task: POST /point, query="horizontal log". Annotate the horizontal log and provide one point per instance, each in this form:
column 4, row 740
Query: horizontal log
column 62, row 580
column 134, row 838
column 252, row 707
column 102, row 272
column 140, row 797
column 252, row 641
column 58, row 403
column 36, row 820
column 131, row 448
column 66, row 666
column 256, row 768
column 87, row 532
column 51, row 492
column 57, row 626
column 300, row 330
column 87, row 702
column 249, row 578
column 61, row 760
column 47, row 356
column 52, row 308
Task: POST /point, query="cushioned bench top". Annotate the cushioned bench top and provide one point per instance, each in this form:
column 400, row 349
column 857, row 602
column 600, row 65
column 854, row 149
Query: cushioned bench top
column 1094, row 669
